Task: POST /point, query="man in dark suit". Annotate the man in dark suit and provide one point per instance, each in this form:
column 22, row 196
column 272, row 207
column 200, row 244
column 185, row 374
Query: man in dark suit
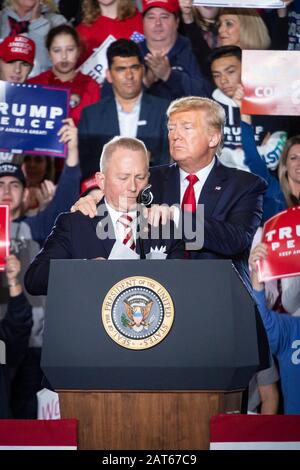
column 128, row 111
column 232, row 199
column 123, row 175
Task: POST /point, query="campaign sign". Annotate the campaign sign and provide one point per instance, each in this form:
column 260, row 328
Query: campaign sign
column 271, row 81
column 4, row 235
column 282, row 235
column 241, row 3
column 95, row 66
column 30, row 117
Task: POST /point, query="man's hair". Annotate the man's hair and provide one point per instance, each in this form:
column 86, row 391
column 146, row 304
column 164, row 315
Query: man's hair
column 123, row 48
column 62, row 29
column 127, row 143
column 224, row 51
column 215, row 113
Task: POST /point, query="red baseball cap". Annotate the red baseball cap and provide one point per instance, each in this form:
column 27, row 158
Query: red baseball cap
column 170, row 5
column 17, row 48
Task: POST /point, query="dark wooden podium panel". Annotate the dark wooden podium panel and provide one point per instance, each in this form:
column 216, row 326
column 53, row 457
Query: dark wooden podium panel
column 111, row 420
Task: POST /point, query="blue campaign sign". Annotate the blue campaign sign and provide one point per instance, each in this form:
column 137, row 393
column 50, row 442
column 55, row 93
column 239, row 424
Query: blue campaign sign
column 30, row 117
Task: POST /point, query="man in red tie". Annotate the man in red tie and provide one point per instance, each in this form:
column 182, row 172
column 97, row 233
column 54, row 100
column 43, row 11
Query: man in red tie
column 232, row 199
column 124, row 172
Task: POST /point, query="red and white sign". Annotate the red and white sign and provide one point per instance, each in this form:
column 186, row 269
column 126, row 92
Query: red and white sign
column 281, row 234
column 27, row 434
column 271, row 81
column 254, row 432
column 4, row 235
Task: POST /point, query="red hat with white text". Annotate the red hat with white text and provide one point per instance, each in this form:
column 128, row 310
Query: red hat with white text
column 171, row 6
column 17, row 48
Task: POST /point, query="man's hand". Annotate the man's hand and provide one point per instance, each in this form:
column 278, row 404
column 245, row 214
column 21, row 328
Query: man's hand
column 239, row 95
column 159, row 214
column 36, row 10
column 87, row 205
column 258, row 253
column 45, row 193
column 159, row 64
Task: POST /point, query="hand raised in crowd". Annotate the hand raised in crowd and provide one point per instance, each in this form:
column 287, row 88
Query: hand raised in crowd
column 68, row 134
column 259, row 252
column 45, row 193
column 282, row 12
column 36, row 10
column 159, row 64
column 237, row 98
column 186, row 11
column 13, row 268
column 87, row 205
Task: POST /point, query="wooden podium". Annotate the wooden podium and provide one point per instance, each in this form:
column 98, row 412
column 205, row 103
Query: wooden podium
column 145, row 420
column 159, row 398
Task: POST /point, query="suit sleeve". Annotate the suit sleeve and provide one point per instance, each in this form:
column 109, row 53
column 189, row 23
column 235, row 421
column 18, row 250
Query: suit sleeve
column 57, row 246
column 233, row 235
column 88, row 156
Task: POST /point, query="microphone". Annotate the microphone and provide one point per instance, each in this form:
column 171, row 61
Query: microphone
column 145, row 198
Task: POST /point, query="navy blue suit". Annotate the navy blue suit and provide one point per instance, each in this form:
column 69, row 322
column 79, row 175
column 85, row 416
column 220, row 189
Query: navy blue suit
column 74, row 236
column 232, row 210
column 99, row 123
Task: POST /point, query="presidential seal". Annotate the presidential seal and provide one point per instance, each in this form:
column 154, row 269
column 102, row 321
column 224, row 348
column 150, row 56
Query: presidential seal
column 137, row 312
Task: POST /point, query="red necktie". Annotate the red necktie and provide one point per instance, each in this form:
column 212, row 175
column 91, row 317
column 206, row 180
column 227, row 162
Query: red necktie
column 18, row 27
column 189, row 201
column 128, row 240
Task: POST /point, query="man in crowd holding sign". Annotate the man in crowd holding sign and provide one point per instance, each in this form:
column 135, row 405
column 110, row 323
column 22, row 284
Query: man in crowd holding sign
column 226, row 68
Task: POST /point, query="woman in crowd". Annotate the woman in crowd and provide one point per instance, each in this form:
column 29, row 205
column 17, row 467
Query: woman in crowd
column 34, row 18
column 243, row 27
column 101, row 18
column 64, row 46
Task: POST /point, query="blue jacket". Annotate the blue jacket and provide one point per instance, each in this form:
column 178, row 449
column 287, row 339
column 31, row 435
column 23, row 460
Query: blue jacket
column 232, row 210
column 99, row 123
column 283, row 333
column 186, row 78
column 67, row 192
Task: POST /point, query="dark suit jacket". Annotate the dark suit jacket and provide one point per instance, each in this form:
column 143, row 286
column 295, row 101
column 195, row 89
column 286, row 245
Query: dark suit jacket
column 74, row 236
column 99, row 123
column 232, row 210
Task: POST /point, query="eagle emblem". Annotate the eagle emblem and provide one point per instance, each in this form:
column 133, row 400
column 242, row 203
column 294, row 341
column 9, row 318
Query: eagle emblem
column 137, row 315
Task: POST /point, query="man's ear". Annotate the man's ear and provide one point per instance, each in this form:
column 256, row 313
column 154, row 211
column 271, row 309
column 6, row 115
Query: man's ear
column 108, row 76
column 100, row 179
column 214, row 139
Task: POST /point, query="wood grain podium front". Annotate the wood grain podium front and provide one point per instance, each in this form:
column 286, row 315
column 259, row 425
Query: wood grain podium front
column 161, row 397
column 129, row 420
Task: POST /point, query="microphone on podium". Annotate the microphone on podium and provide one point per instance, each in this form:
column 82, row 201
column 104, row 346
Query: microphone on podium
column 145, row 198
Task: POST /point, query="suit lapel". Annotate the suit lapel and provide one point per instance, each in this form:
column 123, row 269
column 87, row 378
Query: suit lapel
column 143, row 128
column 171, row 186
column 213, row 188
column 109, row 118
column 104, row 222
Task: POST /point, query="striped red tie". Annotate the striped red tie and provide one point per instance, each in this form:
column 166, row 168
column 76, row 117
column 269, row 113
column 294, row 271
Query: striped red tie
column 126, row 220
